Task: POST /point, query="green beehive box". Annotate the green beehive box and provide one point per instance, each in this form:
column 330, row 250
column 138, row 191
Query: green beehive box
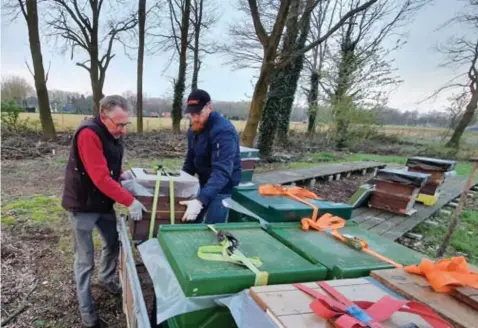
column 247, row 152
column 284, row 209
column 246, row 175
column 341, row 260
column 207, row 318
column 199, row 277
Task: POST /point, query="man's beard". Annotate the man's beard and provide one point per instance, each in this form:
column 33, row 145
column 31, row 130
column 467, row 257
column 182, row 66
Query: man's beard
column 197, row 127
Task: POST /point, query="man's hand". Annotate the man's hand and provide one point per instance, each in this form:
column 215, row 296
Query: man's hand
column 127, row 175
column 193, row 210
column 136, row 210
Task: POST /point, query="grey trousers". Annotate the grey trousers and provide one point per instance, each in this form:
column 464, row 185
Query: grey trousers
column 82, row 226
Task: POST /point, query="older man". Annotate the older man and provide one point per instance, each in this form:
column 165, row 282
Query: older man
column 213, row 154
column 91, row 188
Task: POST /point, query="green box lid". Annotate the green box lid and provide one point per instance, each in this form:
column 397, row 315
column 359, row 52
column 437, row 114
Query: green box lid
column 247, row 152
column 283, row 209
column 341, row 260
column 199, row 277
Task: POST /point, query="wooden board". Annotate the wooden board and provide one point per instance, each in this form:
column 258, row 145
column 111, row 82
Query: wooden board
column 394, row 226
column 467, row 295
column 288, row 307
column 300, row 175
column 415, row 287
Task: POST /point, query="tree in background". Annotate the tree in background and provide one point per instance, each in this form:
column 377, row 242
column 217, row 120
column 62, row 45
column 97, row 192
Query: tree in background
column 182, row 47
column 315, row 62
column 462, row 54
column 16, row 88
column 280, row 98
column 359, row 70
column 29, row 10
column 139, row 89
column 270, row 60
column 79, row 25
column 203, row 17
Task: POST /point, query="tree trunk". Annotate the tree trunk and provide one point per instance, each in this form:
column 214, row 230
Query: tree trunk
column 312, row 99
column 268, row 126
column 96, row 85
column 465, row 120
column 292, row 76
column 180, row 82
column 46, row 120
column 197, row 33
column 257, row 103
column 139, row 91
column 277, row 89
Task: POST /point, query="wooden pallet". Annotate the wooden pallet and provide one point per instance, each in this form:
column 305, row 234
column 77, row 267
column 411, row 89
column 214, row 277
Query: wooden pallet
column 288, row 307
column 309, row 174
column 415, row 287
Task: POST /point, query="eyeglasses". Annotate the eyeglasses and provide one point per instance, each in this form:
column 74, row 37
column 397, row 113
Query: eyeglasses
column 119, row 126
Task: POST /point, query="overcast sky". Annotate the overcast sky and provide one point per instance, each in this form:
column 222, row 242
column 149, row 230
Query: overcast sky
column 417, row 63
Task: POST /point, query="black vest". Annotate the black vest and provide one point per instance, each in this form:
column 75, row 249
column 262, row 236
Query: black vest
column 80, row 194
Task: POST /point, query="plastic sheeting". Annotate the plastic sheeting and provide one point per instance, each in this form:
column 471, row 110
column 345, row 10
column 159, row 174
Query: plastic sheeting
column 171, row 301
column 185, row 185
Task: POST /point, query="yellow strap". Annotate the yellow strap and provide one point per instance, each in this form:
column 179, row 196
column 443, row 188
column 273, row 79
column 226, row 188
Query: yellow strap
column 155, row 203
column 219, row 253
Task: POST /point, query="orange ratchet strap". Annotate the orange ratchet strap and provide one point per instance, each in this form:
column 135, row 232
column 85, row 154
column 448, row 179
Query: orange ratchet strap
column 326, row 223
column 445, row 274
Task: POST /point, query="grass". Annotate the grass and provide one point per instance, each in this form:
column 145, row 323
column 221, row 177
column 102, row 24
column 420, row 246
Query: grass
column 36, row 211
column 464, row 240
column 68, row 122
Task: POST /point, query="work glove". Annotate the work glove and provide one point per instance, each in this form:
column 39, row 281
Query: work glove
column 193, row 210
column 136, row 210
column 127, row 175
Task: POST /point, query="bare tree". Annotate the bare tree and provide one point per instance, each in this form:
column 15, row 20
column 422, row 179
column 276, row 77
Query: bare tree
column 29, row 10
column 315, row 63
column 78, row 23
column 203, row 18
column 359, row 71
column 16, row 88
column 181, row 45
column 462, row 54
column 139, row 89
column 270, row 42
column 281, row 93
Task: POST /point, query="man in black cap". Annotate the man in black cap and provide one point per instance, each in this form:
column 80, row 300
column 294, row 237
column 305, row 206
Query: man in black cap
column 213, row 154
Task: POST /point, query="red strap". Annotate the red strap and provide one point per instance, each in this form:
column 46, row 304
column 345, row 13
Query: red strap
column 336, row 308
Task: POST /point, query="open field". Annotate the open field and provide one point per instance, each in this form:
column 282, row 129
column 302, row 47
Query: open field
column 66, row 122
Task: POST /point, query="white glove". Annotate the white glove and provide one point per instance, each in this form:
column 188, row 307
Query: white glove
column 127, row 175
column 136, row 210
column 193, row 210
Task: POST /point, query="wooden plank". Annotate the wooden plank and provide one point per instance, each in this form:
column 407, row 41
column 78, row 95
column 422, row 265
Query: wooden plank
column 293, row 175
column 467, row 295
column 371, row 222
column 367, row 214
column 388, row 224
column 415, row 287
column 289, row 307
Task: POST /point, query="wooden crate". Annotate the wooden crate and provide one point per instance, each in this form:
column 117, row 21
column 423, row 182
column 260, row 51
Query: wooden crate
column 415, row 287
column 288, row 307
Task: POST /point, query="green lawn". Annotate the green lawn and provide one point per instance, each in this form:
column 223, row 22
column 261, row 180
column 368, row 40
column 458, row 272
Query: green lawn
column 464, row 240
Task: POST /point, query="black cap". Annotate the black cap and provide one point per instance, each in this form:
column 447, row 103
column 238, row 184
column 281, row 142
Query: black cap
column 196, row 101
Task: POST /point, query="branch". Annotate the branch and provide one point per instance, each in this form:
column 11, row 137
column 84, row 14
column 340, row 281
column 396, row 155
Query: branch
column 84, row 66
column 22, row 308
column 29, row 69
column 22, row 8
column 335, row 27
column 259, row 28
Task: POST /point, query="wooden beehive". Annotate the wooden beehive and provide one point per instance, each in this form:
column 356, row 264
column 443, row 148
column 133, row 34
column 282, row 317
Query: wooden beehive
column 435, row 167
column 140, row 229
column 396, row 190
